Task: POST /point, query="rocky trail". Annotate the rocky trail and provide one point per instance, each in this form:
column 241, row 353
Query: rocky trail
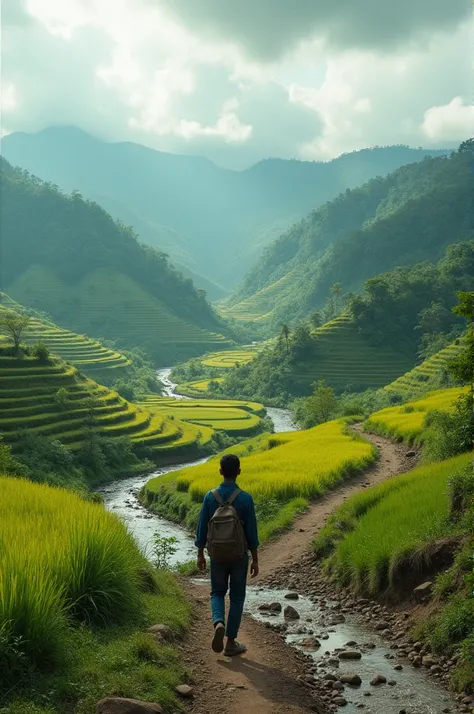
column 273, row 677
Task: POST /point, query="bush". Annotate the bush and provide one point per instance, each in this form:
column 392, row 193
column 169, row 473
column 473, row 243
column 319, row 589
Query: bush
column 42, row 353
column 448, row 434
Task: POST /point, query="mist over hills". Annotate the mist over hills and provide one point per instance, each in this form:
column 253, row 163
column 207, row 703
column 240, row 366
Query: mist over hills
column 213, row 221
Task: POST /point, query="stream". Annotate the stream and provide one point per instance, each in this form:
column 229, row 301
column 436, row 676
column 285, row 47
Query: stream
column 413, row 693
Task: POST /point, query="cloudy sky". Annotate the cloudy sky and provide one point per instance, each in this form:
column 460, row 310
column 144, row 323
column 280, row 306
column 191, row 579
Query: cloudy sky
column 240, row 80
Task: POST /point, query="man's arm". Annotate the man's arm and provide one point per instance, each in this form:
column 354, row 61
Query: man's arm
column 201, row 535
column 251, row 534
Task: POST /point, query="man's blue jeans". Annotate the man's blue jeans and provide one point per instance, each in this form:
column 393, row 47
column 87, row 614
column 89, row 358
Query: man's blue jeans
column 223, row 576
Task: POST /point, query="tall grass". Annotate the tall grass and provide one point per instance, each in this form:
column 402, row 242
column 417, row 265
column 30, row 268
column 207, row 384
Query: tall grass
column 61, row 558
column 390, row 526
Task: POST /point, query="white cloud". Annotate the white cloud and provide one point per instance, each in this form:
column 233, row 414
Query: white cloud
column 449, row 122
column 133, row 70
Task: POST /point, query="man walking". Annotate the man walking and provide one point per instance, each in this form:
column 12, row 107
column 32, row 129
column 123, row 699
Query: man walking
column 228, row 526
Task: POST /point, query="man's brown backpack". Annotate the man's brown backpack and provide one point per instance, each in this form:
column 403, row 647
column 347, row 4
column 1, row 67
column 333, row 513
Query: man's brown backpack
column 225, row 536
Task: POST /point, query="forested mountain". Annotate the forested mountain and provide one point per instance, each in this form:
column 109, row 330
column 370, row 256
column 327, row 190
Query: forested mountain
column 399, row 318
column 66, row 256
column 407, row 217
column 212, row 220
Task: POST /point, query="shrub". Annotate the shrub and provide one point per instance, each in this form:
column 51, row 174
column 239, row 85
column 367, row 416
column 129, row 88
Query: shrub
column 42, row 353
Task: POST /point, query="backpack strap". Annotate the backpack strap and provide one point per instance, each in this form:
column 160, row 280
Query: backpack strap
column 233, row 496
column 218, row 496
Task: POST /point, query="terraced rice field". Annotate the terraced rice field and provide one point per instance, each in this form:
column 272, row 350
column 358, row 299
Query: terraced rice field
column 234, row 417
column 378, row 532
column 348, row 362
column 107, row 303
column 258, row 307
column 286, row 470
column 84, row 353
column 196, row 389
column 229, row 358
column 407, row 422
column 427, row 373
column 56, row 401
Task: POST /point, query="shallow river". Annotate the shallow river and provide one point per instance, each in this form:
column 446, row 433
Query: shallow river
column 413, row 692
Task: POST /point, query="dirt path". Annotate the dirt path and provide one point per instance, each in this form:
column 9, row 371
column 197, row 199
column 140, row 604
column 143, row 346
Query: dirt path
column 264, row 681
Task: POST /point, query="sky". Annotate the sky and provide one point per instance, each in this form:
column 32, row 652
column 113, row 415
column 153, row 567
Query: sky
column 242, row 80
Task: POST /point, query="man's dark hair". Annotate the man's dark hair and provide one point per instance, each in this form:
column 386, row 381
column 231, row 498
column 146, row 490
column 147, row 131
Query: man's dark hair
column 230, row 465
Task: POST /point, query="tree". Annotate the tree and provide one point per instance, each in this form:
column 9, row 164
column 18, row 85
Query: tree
column 462, row 366
column 321, row 406
column 14, row 324
column 285, row 335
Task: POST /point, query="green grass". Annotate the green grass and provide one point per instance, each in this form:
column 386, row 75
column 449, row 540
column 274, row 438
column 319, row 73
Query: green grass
column 381, row 534
column 280, row 468
column 73, row 605
column 106, row 303
column 407, row 422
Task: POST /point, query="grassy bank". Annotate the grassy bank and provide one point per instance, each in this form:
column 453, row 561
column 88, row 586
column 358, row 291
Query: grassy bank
column 76, row 595
column 407, row 422
column 283, row 472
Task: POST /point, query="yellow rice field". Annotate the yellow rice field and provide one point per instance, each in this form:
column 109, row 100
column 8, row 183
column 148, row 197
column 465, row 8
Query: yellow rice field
column 298, row 464
column 407, row 421
column 229, row 358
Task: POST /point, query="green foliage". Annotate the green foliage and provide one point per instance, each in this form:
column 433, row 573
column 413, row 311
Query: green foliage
column 449, row 433
column 163, row 549
column 42, row 353
column 318, row 408
column 61, row 398
column 14, row 324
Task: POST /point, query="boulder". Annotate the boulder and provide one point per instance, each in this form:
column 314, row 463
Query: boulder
column 353, row 679
column 381, row 625
column 378, row 679
column 350, row 654
column 340, row 701
column 118, row 705
column 290, row 613
column 411, row 453
column 275, row 607
column 291, row 596
column 423, row 591
column 310, row 643
column 428, row 662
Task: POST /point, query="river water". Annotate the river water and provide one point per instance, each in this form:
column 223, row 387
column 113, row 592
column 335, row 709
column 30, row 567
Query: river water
column 413, row 693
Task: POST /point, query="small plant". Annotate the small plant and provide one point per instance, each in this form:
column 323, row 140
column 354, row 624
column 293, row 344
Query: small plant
column 164, row 547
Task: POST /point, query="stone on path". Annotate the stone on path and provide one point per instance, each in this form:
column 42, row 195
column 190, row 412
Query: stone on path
column 160, row 630
column 423, row 591
column 184, row 690
column 119, row 705
column 290, row 613
column 310, row 643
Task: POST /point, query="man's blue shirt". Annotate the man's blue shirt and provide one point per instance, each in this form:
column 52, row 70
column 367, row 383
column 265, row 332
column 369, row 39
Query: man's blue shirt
column 243, row 504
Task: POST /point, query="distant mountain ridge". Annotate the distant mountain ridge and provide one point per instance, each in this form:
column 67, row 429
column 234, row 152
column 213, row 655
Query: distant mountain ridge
column 212, row 220
column 409, row 216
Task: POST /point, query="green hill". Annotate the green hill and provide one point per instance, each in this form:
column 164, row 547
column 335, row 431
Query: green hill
column 66, row 256
column 212, row 220
column 410, row 216
column 87, row 355
column 56, row 401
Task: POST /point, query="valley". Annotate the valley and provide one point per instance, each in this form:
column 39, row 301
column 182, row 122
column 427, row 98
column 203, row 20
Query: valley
column 339, row 370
